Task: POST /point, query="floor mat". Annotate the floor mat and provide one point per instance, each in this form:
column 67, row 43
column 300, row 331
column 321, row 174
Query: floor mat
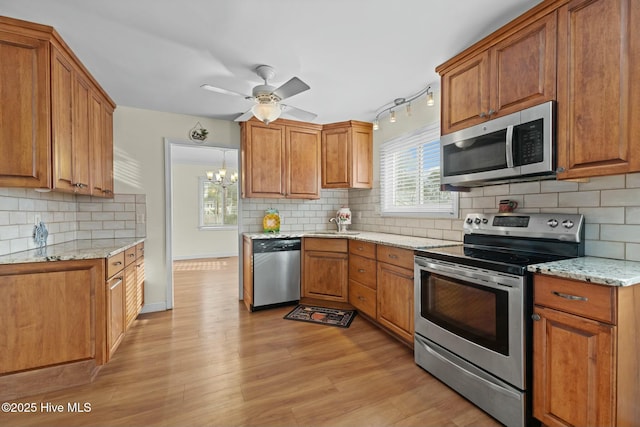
column 322, row 315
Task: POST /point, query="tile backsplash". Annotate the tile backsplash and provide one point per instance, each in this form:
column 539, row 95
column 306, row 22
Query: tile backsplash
column 610, row 205
column 295, row 215
column 67, row 217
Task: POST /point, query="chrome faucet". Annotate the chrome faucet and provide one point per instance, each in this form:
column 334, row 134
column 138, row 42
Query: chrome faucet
column 341, row 227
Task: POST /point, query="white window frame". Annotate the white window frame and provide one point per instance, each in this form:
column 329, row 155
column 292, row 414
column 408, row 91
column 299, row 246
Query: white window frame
column 391, row 154
column 201, row 225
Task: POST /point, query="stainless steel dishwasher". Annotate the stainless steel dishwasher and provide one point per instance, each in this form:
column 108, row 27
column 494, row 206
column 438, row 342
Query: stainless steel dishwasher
column 276, row 272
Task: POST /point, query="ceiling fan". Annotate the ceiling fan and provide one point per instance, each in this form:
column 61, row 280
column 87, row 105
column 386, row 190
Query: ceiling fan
column 267, row 98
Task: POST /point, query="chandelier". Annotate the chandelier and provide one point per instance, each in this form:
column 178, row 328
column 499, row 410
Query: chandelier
column 220, row 178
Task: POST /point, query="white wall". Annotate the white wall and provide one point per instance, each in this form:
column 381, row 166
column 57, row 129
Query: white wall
column 188, row 240
column 139, row 169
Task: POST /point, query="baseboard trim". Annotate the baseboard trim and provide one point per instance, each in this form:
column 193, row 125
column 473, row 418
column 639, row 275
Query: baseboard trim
column 154, row 307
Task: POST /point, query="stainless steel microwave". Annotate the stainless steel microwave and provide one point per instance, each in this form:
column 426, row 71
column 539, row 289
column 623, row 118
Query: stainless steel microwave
column 516, row 147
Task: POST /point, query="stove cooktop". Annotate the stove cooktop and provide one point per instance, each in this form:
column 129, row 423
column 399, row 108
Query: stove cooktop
column 491, row 258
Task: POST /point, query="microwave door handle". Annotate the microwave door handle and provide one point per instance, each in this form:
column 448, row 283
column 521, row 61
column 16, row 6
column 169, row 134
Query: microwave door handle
column 509, row 146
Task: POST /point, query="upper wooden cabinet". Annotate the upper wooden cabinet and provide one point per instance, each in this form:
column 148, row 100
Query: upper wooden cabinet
column 518, row 70
column 50, row 122
column 347, row 155
column 598, row 88
column 281, row 159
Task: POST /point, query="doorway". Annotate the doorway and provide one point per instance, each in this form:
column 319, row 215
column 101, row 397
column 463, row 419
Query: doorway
column 202, row 208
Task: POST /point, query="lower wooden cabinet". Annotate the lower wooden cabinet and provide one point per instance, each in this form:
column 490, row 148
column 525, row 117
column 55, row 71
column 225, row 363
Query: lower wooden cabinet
column 585, row 361
column 362, row 277
column 116, row 317
column 52, row 317
column 325, row 269
column 124, row 293
column 395, row 299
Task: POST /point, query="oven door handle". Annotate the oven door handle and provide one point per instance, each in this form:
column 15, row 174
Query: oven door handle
column 485, row 379
column 470, row 275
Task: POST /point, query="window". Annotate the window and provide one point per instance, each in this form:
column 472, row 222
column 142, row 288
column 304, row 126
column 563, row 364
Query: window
column 218, row 204
column 410, row 176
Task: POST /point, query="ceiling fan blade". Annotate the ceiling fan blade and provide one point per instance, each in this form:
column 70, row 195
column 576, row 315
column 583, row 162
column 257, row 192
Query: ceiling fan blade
column 244, row 116
column 290, row 88
column 223, row 91
column 298, row 113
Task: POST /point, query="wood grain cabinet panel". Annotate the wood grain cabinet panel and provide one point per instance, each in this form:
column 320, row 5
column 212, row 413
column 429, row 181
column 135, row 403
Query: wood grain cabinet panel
column 325, row 273
column 50, row 125
column 395, row 300
column 585, row 353
column 347, row 155
column 515, row 70
column 598, row 54
column 281, row 159
column 24, row 116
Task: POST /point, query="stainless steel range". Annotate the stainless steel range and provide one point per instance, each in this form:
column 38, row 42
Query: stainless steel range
column 473, row 306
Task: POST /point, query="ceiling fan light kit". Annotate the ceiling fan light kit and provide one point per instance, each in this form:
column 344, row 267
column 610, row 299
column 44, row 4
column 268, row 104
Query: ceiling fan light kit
column 267, row 98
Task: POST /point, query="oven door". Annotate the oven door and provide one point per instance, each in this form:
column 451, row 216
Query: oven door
column 474, row 313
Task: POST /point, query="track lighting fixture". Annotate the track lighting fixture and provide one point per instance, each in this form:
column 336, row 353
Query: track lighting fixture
column 403, row 101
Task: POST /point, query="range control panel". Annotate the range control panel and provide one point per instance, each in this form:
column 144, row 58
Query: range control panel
column 565, row 227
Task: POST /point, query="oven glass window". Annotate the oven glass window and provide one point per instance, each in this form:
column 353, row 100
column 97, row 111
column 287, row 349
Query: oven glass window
column 476, row 313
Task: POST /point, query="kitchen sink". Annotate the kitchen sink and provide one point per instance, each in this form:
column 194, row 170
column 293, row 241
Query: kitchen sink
column 346, row 233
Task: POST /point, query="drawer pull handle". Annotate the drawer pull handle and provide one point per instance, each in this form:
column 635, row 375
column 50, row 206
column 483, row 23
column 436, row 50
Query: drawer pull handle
column 130, row 255
column 117, row 263
column 392, row 256
column 361, row 298
column 360, row 248
column 361, row 270
column 570, row 297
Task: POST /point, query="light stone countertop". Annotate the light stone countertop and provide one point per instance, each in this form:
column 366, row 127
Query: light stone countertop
column 604, row 271
column 73, row 250
column 397, row 240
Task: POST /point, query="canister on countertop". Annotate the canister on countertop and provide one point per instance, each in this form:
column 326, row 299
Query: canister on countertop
column 271, row 221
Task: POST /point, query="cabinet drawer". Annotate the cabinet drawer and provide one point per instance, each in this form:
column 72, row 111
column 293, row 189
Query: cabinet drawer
column 129, row 255
column 326, row 245
column 364, row 249
column 140, row 250
column 396, row 256
column 362, row 270
column 115, row 263
column 362, row 298
column 579, row 298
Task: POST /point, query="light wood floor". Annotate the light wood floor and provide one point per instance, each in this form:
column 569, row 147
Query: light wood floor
column 209, row 362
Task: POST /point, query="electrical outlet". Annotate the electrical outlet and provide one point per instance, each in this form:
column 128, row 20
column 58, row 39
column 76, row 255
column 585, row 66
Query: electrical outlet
column 36, row 219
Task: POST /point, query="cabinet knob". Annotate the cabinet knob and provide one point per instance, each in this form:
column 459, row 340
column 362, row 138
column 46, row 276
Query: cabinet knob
column 535, row 316
column 483, row 114
column 361, row 270
column 393, row 256
column 491, row 112
column 560, row 169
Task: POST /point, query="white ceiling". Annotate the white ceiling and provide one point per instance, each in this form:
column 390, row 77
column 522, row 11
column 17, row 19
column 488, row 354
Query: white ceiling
column 357, row 55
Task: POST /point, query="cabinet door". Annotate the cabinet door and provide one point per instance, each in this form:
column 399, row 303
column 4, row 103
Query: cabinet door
column 336, row 158
column 573, row 370
column 131, row 294
column 303, row 163
column 96, row 139
column 523, row 67
column 24, row 116
column 107, row 150
column 598, row 59
column 115, row 313
column 62, row 121
column 362, row 157
column 80, row 153
column 140, row 277
column 326, row 275
column 395, row 300
column 465, row 94
column 263, row 160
